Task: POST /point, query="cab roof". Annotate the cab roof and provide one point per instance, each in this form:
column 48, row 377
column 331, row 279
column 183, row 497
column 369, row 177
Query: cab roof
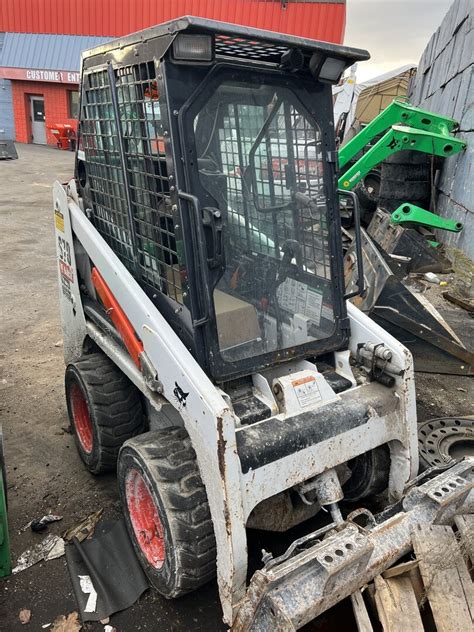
column 231, row 40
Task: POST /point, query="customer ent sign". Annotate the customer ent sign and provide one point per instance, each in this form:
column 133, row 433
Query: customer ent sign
column 40, row 74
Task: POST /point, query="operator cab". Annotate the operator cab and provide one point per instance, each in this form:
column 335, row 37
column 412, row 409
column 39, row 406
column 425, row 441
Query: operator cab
column 208, row 164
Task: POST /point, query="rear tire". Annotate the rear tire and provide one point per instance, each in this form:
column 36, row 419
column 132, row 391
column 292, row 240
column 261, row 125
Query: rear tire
column 104, row 409
column 166, row 511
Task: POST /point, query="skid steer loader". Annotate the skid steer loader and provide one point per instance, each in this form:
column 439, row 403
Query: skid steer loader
column 212, row 357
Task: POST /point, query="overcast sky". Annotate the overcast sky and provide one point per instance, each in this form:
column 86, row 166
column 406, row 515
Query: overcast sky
column 395, row 32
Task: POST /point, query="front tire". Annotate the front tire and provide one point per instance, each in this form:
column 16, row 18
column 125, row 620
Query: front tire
column 166, row 511
column 104, row 409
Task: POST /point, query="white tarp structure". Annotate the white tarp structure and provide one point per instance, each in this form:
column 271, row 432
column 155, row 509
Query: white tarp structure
column 346, row 96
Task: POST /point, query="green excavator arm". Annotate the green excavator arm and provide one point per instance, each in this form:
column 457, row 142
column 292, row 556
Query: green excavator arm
column 399, row 138
column 397, row 113
column 409, row 214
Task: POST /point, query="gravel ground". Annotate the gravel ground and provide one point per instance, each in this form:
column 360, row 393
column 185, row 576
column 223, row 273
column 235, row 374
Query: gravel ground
column 44, row 471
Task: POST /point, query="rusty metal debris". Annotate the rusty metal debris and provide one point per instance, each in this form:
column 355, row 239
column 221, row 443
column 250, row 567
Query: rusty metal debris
column 445, row 439
column 85, row 528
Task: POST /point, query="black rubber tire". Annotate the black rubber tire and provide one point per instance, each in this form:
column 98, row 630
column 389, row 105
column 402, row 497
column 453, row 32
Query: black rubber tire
column 408, row 157
column 370, row 472
column 368, row 190
column 167, row 462
column 412, row 191
column 114, row 407
column 391, row 204
column 407, row 173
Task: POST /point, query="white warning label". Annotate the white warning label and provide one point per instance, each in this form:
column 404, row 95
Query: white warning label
column 327, row 312
column 299, row 298
column 307, row 391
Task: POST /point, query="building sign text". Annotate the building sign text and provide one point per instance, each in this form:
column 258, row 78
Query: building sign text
column 40, row 74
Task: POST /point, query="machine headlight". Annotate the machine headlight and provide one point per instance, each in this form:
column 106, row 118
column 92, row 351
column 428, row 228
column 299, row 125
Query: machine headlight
column 327, row 69
column 332, row 69
column 193, row 48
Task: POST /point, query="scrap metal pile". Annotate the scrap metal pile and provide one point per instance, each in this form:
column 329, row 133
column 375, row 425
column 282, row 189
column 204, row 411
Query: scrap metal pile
column 400, row 243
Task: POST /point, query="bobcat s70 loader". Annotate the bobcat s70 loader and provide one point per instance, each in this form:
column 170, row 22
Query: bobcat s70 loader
column 212, row 357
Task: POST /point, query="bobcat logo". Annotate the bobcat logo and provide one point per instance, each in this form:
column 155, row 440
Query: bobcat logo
column 393, row 143
column 180, row 395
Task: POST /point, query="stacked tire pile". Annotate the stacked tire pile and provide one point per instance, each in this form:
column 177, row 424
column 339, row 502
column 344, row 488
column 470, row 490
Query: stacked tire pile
column 405, row 177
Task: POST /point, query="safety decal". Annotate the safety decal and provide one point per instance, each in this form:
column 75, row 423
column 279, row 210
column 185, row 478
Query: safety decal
column 66, row 271
column 307, row 391
column 299, row 298
column 327, row 312
column 59, row 220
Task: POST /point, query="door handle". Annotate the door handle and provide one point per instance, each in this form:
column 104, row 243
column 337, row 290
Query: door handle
column 199, row 241
column 212, row 219
column 358, row 239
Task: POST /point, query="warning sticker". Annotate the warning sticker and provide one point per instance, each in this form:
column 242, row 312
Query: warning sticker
column 299, row 298
column 314, row 302
column 66, row 270
column 307, row 391
column 59, row 220
column 327, row 312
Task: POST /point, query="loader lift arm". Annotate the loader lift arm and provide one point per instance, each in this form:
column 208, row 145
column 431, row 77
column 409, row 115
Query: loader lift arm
column 399, row 138
column 397, row 113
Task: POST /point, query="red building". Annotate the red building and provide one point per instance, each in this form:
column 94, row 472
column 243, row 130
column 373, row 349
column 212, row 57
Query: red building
column 41, row 42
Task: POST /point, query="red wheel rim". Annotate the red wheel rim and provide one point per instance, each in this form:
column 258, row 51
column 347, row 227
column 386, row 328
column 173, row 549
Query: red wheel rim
column 145, row 519
column 81, row 418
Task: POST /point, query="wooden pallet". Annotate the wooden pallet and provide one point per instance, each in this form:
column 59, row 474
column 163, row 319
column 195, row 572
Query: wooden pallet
column 432, row 593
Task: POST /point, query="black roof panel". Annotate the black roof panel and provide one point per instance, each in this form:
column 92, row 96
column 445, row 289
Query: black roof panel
column 235, row 40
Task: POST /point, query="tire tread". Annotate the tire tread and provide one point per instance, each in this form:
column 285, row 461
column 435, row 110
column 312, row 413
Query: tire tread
column 116, row 406
column 171, row 461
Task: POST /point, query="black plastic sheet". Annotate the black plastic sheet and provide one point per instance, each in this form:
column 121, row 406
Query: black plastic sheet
column 113, row 568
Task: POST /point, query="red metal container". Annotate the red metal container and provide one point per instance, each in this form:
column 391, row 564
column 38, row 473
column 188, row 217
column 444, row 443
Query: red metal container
column 65, row 135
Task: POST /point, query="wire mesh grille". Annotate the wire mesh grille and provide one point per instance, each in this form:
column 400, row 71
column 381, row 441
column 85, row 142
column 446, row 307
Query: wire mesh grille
column 146, row 174
column 287, row 160
column 104, row 168
column 229, row 46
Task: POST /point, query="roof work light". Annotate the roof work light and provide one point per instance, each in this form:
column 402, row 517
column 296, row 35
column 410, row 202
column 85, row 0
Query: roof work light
column 193, row 48
column 328, row 69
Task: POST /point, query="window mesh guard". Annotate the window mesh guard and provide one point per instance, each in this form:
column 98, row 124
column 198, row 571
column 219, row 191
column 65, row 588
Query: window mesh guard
column 287, row 159
column 146, row 174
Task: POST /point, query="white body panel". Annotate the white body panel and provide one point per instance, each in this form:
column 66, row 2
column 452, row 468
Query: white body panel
column 210, row 421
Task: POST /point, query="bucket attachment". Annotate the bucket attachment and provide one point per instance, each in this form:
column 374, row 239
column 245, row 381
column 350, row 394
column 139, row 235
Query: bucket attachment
column 408, row 317
column 315, row 574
